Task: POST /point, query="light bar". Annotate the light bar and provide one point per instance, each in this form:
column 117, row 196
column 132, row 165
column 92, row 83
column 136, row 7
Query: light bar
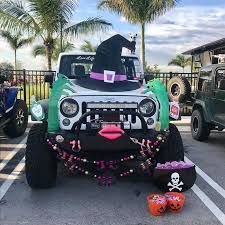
column 93, row 105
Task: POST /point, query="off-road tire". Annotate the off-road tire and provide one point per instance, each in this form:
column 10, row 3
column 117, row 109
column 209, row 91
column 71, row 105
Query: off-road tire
column 18, row 120
column 200, row 129
column 173, row 149
column 179, row 89
column 40, row 164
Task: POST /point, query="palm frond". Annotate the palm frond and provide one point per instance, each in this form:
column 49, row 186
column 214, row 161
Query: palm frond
column 14, row 17
column 10, row 38
column 24, row 41
column 180, row 61
column 66, row 46
column 88, row 26
column 51, row 14
column 15, row 40
column 39, row 50
column 88, row 47
column 137, row 11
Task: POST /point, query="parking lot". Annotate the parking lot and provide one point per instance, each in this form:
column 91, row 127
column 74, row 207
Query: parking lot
column 81, row 201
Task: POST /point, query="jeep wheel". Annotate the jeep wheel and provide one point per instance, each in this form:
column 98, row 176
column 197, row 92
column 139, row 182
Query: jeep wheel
column 199, row 127
column 179, row 89
column 18, row 120
column 173, row 149
column 40, row 164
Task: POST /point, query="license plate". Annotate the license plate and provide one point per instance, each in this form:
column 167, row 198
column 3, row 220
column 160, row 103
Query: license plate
column 108, row 124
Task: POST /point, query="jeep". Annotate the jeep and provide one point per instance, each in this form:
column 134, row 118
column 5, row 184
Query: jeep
column 101, row 128
column 209, row 107
column 13, row 111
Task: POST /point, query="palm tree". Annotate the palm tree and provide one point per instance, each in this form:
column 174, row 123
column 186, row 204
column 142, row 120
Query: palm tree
column 16, row 41
column 47, row 20
column 88, row 47
column 66, row 46
column 180, row 61
column 138, row 12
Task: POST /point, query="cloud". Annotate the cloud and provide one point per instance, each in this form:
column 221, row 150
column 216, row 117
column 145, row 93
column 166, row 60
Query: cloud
column 123, row 19
column 186, row 28
column 180, row 29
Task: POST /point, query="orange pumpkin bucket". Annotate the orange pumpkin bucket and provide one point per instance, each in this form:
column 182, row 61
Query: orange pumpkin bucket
column 175, row 201
column 157, row 204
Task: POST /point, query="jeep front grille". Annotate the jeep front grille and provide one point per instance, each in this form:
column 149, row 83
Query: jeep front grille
column 109, row 106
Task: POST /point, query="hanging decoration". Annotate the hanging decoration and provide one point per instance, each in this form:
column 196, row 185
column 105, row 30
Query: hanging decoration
column 106, row 170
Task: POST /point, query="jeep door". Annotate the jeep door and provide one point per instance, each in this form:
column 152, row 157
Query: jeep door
column 218, row 98
column 204, row 92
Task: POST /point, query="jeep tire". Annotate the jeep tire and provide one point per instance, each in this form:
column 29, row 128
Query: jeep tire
column 173, row 150
column 200, row 129
column 40, row 164
column 18, row 120
column 179, row 89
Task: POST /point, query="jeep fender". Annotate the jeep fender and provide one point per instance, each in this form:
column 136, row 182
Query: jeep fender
column 199, row 104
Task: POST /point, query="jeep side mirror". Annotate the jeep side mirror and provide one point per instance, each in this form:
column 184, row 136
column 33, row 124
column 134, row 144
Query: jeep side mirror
column 49, row 78
column 222, row 85
column 148, row 77
column 142, row 77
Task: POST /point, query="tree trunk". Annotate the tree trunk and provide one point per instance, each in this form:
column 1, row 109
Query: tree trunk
column 14, row 59
column 143, row 45
column 48, row 48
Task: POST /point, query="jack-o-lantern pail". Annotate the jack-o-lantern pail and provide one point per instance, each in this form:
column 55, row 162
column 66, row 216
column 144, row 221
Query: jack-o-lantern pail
column 175, row 201
column 157, row 204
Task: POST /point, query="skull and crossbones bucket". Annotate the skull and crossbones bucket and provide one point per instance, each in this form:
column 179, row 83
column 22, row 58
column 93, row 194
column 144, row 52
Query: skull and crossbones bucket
column 174, row 179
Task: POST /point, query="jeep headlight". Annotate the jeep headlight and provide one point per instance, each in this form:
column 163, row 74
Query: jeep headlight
column 69, row 107
column 147, row 107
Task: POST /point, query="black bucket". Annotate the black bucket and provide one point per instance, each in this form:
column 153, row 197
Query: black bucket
column 176, row 180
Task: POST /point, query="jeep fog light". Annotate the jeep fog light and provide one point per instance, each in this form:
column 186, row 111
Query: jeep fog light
column 150, row 121
column 147, row 108
column 69, row 108
column 66, row 122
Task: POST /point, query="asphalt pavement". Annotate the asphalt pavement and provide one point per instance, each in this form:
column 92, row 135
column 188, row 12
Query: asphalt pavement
column 81, row 201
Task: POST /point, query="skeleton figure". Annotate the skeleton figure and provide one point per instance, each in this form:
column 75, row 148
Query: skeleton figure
column 175, row 182
column 133, row 38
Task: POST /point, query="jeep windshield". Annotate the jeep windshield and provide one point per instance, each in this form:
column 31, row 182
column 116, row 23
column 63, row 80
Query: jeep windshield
column 78, row 67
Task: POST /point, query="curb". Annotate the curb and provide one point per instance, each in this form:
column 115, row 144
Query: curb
column 177, row 123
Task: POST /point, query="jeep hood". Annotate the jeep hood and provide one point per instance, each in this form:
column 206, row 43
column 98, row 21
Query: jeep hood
column 87, row 92
column 92, row 85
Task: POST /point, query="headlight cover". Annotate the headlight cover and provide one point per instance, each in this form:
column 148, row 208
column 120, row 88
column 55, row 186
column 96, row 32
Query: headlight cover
column 147, row 108
column 69, row 107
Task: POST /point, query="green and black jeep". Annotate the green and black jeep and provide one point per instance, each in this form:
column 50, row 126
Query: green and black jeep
column 209, row 106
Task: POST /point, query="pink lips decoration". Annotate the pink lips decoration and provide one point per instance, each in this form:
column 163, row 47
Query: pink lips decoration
column 111, row 132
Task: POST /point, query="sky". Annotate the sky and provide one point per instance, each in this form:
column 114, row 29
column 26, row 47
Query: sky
column 190, row 24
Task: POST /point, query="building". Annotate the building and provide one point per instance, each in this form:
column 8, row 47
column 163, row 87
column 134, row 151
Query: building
column 211, row 53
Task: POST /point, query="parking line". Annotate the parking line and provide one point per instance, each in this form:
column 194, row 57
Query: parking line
column 209, row 204
column 12, row 154
column 11, row 178
column 208, row 179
